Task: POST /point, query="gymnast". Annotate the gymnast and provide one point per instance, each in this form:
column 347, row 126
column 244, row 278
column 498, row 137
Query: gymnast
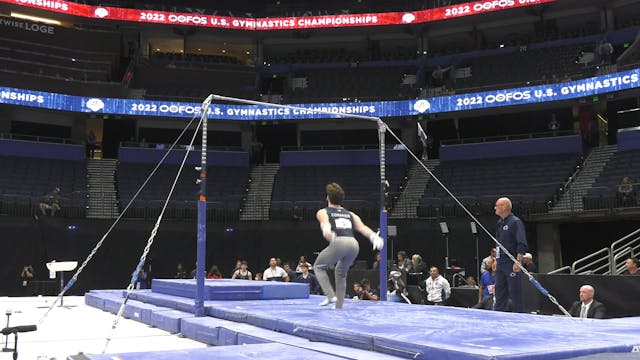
column 337, row 225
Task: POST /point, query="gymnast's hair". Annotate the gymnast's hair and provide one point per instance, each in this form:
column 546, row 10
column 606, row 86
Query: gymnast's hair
column 335, row 193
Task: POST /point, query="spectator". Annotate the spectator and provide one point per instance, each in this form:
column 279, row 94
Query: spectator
column 308, row 278
column 436, row 288
column 141, row 281
column 290, row 273
column 180, row 273
column 378, row 258
column 484, row 266
column 275, row 272
column 303, row 260
column 487, row 282
column 632, row 265
column 278, row 262
column 92, row 144
column 528, row 263
column 604, row 51
column 626, row 192
column 470, row 282
column 587, row 307
column 214, row 273
column 238, row 266
column 404, row 264
column 367, row 293
column 357, row 289
column 242, row 273
column 27, row 275
column 51, row 202
column 511, row 234
column 417, row 265
column 258, row 277
column 397, row 289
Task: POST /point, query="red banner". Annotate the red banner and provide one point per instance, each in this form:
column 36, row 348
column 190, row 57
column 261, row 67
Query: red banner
column 288, row 23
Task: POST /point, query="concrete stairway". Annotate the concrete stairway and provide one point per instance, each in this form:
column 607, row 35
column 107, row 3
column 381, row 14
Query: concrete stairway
column 405, row 207
column 102, row 200
column 571, row 200
column 258, row 200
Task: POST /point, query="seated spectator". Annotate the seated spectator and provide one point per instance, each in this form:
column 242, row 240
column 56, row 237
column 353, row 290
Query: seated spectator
column 214, row 273
column 378, row 258
column 528, row 263
column 404, row 264
column 141, row 281
column 180, row 273
column 417, row 265
column 290, row 273
column 51, row 202
column 626, row 192
column 303, row 260
column 242, row 273
column 484, row 266
column 487, row 282
column 238, row 266
column 357, row 289
column 367, row 293
column 27, row 275
column 632, row 265
column 587, row 307
column 470, row 282
column 487, row 303
column 436, row 288
column 308, row 278
column 275, row 272
column 396, row 288
column 258, row 277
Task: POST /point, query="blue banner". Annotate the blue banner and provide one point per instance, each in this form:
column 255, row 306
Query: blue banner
column 481, row 100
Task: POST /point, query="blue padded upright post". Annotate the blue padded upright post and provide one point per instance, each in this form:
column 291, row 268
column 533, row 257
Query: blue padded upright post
column 383, row 212
column 202, row 216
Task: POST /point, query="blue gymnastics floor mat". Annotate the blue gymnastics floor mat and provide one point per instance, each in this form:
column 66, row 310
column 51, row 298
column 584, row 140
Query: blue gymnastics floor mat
column 253, row 351
column 228, row 289
column 422, row 332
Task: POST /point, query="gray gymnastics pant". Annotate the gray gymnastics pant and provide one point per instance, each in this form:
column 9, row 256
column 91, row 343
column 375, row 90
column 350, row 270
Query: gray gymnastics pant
column 341, row 252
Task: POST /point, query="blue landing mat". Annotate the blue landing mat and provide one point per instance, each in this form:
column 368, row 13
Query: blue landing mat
column 257, row 351
column 227, row 289
column 427, row 332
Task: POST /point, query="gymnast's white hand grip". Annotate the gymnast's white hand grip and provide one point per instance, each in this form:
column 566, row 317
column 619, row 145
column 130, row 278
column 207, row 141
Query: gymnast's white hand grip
column 376, row 241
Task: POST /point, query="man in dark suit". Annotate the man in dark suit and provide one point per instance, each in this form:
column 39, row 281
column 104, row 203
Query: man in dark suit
column 587, row 307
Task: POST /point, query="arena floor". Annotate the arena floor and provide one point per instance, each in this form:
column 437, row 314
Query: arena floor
column 81, row 328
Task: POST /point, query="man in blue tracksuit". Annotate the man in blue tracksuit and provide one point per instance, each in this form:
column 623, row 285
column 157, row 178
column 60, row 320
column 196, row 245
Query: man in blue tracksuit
column 510, row 233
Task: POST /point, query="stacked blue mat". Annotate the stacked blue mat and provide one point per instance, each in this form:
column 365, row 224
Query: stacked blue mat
column 399, row 330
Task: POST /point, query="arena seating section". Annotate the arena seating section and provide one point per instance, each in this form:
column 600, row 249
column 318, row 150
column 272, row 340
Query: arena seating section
column 24, row 182
column 299, row 190
column 53, row 62
column 532, row 182
column 165, row 77
column 224, row 193
column 603, row 192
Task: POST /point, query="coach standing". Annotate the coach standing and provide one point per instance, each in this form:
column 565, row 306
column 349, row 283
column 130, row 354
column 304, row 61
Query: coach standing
column 510, row 233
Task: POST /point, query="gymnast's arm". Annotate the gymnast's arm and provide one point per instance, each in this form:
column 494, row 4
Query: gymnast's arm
column 361, row 227
column 325, row 225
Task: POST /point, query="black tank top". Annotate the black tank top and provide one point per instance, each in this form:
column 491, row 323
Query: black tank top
column 341, row 221
column 243, row 277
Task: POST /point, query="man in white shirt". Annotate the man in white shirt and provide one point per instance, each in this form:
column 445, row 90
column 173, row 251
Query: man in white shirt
column 437, row 288
column 274, row 272
column 587, row 307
